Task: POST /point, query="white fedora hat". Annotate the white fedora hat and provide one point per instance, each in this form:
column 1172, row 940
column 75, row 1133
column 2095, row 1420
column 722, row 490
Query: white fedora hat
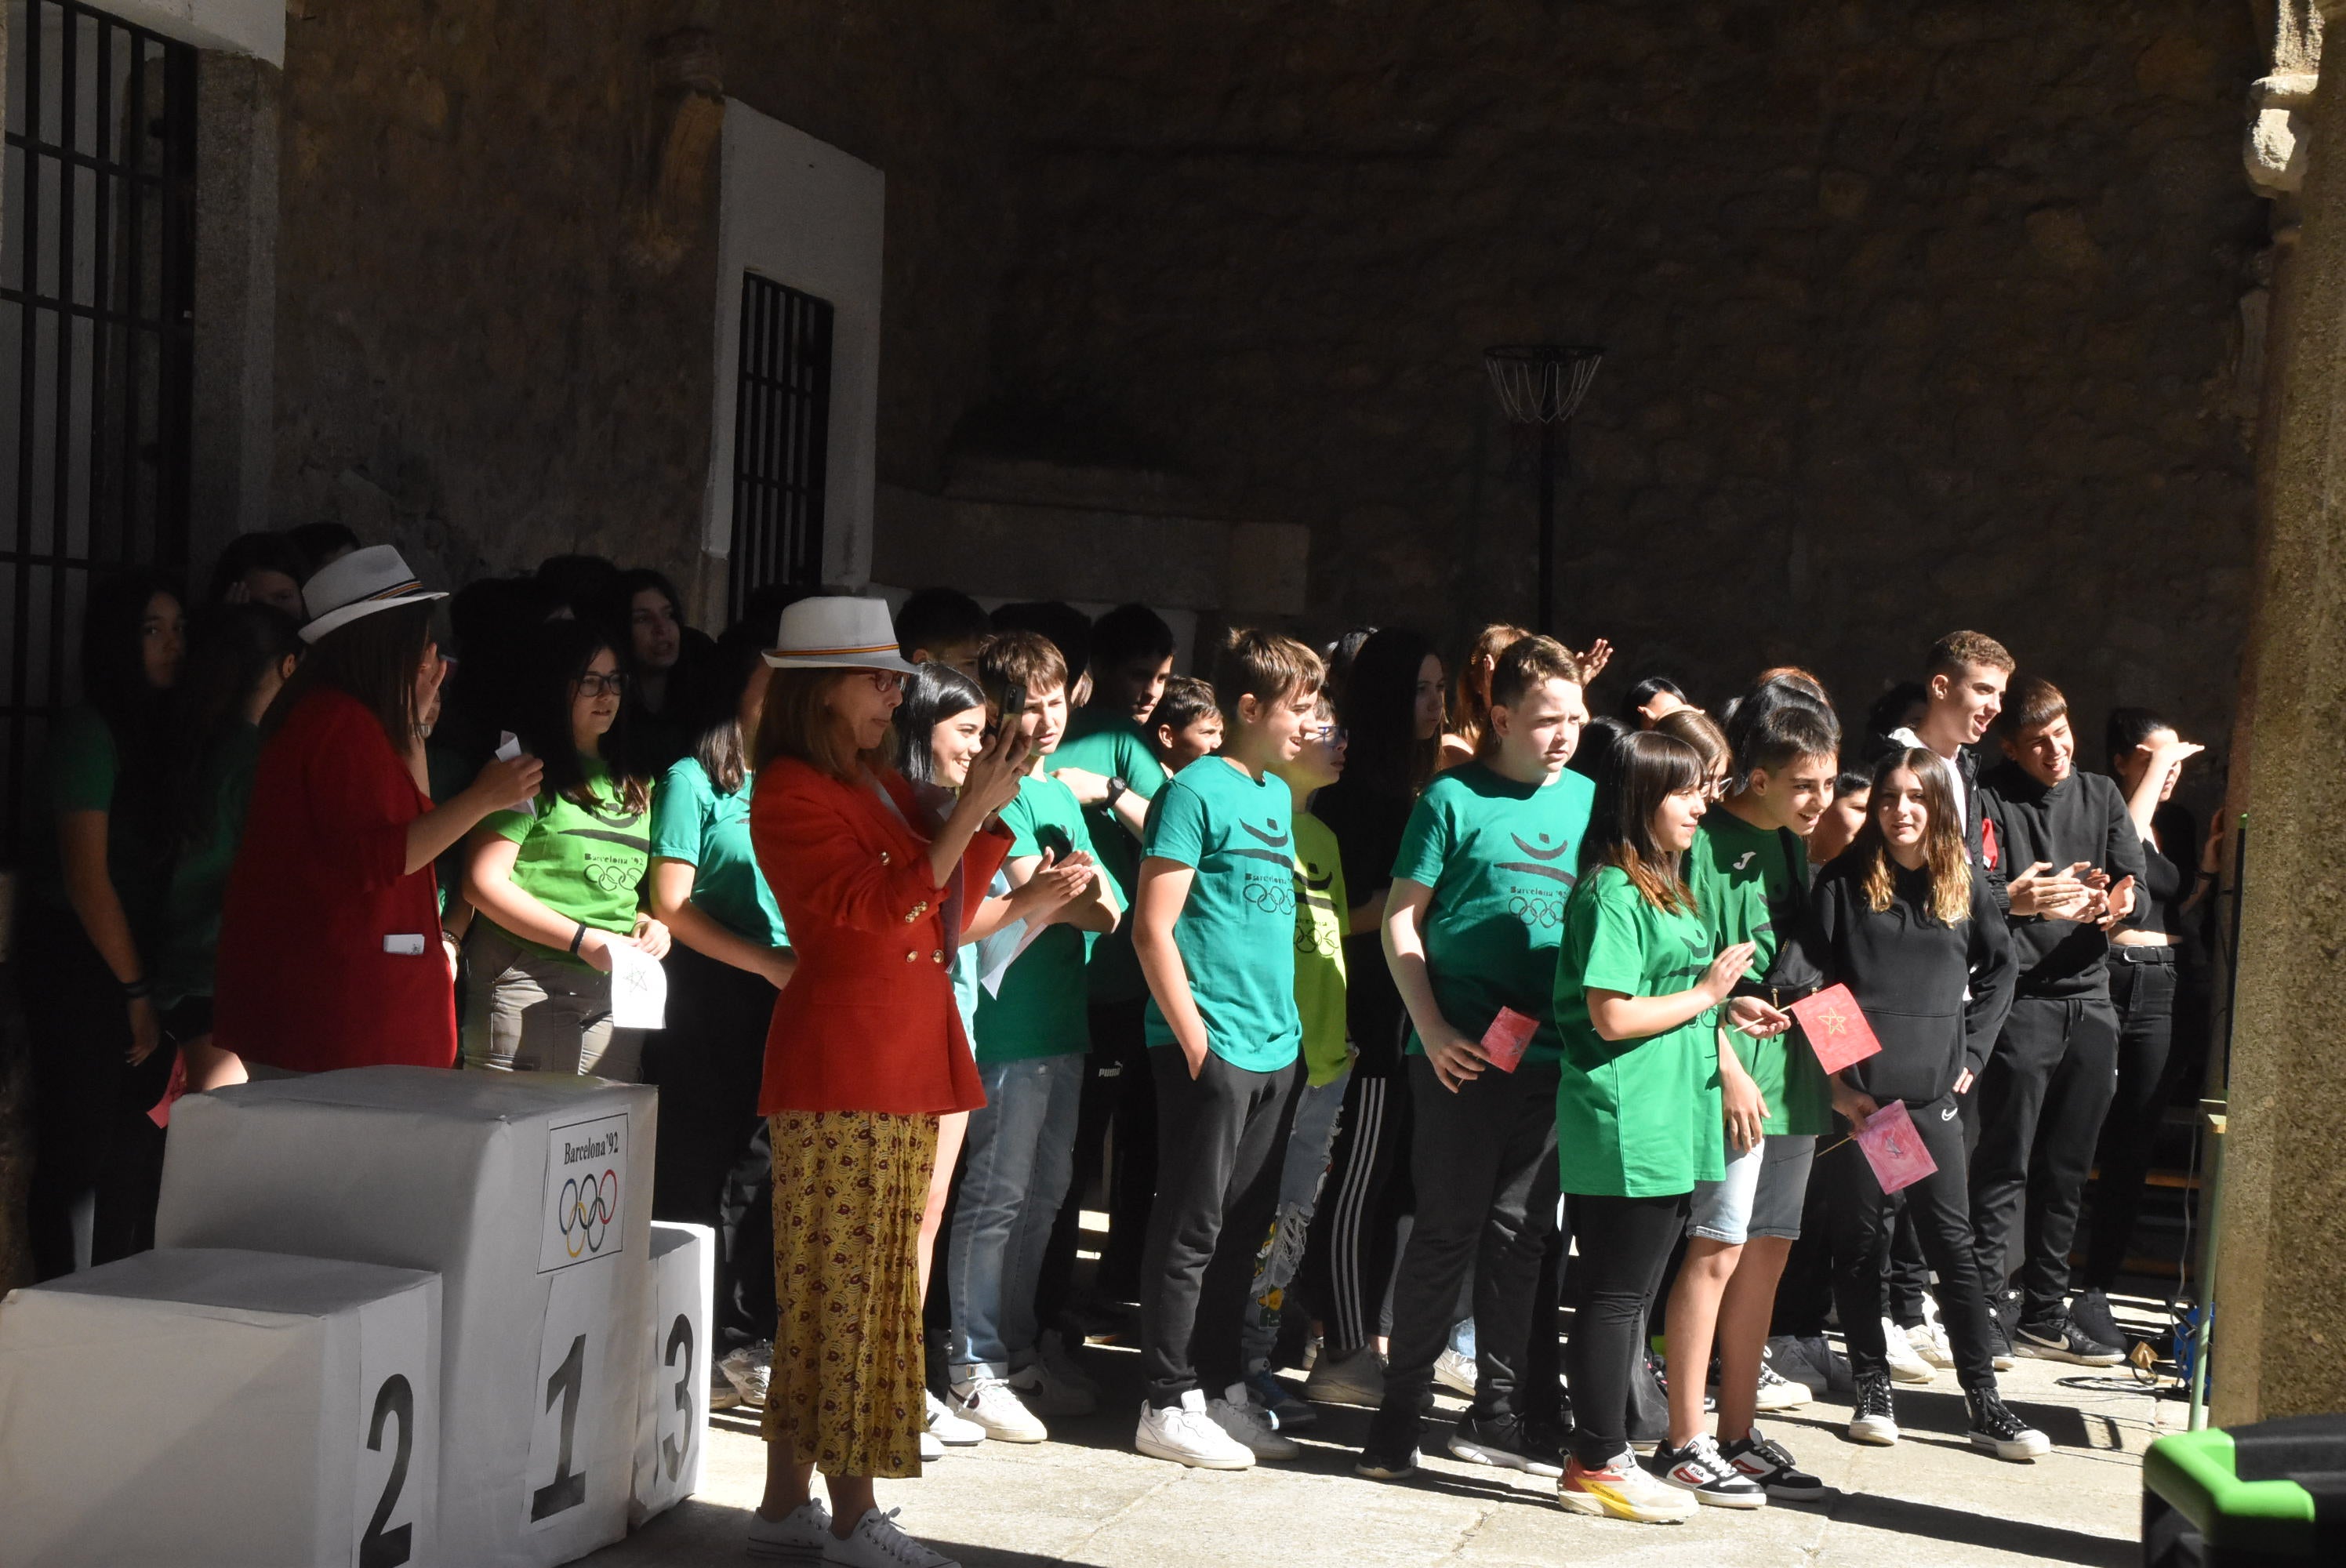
column 360, row 583
column 837, row 632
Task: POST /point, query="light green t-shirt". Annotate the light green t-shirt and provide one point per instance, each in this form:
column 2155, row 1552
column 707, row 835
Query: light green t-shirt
column 1320, row 911
column 1114, row 748
column 1041, row 1008
column 711, row 832
column 1633, row 1118
column 1750, row 886
column 583, row 863
column 1237, row 932
column 1501, row 858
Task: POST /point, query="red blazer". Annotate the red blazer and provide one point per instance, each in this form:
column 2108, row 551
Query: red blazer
column 868, row 1020
column 320, row 880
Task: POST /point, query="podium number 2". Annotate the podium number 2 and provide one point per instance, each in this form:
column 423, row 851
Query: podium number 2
column 680, row 1338
column 567, row 1490
column 380, row 1548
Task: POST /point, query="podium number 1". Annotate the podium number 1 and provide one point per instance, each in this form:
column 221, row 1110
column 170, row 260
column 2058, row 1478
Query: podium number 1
column 567, row 1490
column 380, row 1548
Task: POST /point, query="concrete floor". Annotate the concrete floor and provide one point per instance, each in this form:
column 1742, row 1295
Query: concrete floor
column 1086, row 1497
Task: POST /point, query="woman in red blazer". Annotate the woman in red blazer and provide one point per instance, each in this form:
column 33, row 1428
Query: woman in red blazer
column 330, row 946
column 865, row 1053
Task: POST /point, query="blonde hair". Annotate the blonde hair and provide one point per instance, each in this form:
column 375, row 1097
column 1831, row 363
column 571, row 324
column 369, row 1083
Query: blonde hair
column 1944, row 855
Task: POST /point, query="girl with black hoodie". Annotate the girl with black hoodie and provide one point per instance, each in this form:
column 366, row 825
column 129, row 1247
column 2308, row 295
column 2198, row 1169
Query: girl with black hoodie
column 1904, row 919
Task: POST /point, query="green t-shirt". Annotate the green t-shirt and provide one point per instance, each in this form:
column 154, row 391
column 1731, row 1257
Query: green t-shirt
column 1749, row 885
column 192, row 910
column 583, row 863
column 1114, row 748
column 83, row 773
column 1319, row 913
column 1500, row 857
column 1633, row 1118
column 711, row 832
column 1041, row 1008
column 1237, row 932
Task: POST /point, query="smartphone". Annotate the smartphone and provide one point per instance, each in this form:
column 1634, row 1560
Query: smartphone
column 1014, row 704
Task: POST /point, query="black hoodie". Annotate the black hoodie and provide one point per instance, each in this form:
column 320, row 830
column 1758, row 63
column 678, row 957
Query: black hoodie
column 1909, row 972
column 2082, row 818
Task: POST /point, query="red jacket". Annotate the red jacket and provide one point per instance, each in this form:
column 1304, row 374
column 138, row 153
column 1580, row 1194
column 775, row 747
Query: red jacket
column 320, row 881
column 868, row 1020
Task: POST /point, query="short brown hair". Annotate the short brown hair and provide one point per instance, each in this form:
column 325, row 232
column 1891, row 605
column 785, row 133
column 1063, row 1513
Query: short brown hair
column 1699, row 730
column 1186, row 699
column 1027, row 659
column 2032, row 700
column 1265, row 666
column 1959, row 651
column 799, row 723
column 1529, row 662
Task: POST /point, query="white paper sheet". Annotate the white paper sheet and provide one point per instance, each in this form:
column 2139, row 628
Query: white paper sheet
column 638, row 988
column 509, row 748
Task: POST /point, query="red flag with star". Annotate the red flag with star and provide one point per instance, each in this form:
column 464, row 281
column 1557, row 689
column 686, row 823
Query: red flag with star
column 1836, row 1027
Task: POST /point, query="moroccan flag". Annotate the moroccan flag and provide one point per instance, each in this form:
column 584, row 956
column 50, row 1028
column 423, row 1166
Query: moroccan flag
column 1836, row 1027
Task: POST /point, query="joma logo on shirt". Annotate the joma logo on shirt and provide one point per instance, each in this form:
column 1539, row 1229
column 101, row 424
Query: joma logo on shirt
column 1744, row 858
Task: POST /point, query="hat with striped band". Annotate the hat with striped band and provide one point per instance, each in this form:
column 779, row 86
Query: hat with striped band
column 837, row 632
column 360, row 583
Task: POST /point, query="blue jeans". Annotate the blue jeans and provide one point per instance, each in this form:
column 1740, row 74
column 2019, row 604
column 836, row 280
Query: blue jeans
column 1309, row 1143
column 1016, row 1159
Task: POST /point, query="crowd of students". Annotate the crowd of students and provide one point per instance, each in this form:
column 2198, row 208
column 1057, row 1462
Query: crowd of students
column 1392, row 1007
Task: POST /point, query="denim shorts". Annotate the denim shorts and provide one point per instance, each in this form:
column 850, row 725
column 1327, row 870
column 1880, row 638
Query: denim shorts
column 1761, row 1195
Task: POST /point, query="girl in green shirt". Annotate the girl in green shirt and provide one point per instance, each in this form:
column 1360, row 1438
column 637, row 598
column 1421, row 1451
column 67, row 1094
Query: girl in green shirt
column 1638, row 992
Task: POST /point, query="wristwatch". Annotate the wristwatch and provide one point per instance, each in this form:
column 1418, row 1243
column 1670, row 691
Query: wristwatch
column 1116, row 788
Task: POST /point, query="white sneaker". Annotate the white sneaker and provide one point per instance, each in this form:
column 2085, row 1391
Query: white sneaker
column 1929, row 1343
column 1455, row 1372
column 1251, row 1425
column 1779, row 1392
column 989, row 1402
column 878, row 1544
column 950, row 1429
column 1045, row 1389
column 1905, row 1365
column 932, row 1451
column 750, row 1369
column 797, row 1536
column 1185, row 1434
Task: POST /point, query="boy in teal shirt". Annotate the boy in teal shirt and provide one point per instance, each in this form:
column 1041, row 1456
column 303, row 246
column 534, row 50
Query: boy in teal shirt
column 1214, row 927
column 1486, row 864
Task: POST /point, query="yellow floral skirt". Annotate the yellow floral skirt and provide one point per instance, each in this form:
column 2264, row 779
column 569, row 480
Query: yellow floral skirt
column 849, row 1387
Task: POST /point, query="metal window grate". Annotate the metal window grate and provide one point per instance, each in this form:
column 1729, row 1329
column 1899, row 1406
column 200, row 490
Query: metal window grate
column 97, row 286
column 782, row 427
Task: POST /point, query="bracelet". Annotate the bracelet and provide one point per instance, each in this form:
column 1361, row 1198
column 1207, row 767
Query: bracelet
column 576, row 937
column 138, row 990
column 451, row 938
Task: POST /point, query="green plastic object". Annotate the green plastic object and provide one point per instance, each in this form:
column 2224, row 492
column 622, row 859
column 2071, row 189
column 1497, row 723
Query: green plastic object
column 2194, row 1472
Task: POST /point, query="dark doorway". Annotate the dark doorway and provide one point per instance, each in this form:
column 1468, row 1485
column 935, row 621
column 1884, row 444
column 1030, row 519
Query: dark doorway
column 782, row 427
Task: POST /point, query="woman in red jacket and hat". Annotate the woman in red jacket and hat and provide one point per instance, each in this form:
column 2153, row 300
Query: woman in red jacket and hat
column 864, row 1055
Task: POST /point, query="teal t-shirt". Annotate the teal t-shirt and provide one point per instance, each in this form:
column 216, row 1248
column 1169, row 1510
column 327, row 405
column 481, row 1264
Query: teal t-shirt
column 1114, row 748
column 1500, row 857
column 1237, row 932
column 192, row 910
column 584, row 864
column 1320, row 914
column 1041, row 1008
column 710, row 832
column 1749, row 884
column 1633, row 1118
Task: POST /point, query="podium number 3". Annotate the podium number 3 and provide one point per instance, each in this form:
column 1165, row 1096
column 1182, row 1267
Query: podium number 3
column 380, row 1548
column 680, row 1338
column 567, row 1490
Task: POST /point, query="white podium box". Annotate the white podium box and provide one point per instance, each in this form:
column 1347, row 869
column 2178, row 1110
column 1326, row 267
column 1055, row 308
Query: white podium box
column 672, row 1420
column 530, row 1195
column 248, row 1409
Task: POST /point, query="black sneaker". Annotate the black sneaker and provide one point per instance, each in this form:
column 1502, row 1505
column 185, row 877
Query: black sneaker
column 1999, row 1344
column 1382, row 1462
column 1506, row 1442
column 1995, row 1428
column 2061, row 1339
column 1873, row 1419
column 1699, row 1468
column 1769, row 1463
column 2090, row 1311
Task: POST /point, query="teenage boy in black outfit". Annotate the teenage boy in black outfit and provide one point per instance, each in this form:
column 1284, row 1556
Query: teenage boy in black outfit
column 2048, row 1083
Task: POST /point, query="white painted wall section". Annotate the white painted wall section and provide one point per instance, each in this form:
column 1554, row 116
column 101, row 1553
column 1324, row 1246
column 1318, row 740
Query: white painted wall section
column 255, row 27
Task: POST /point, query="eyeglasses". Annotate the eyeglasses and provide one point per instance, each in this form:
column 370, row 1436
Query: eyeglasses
column 1329, row 735
column 885, row 680
column 593, row 685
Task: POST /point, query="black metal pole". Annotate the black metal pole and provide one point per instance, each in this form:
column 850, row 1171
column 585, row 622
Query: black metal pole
column 1544, row 621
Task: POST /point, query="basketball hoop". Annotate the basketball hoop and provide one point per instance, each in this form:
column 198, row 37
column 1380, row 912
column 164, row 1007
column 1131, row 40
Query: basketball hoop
column 1541, row 384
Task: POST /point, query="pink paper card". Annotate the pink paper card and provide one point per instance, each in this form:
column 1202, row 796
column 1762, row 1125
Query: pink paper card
column 160, row 1111
column 1894, row 1148
column 1836, row 1027
column 1504, row 1040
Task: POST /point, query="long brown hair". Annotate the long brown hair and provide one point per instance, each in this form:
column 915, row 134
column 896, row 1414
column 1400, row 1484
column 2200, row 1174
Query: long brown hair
column 1470, row 710
column 1944, row 855
column 373, row 661
column 1644, row 769
column 553, row 662
column 799, row 723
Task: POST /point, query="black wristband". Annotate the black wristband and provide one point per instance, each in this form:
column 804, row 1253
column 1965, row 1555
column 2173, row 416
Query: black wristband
column 1116, row 788
column 137, row 990
column 576, row 937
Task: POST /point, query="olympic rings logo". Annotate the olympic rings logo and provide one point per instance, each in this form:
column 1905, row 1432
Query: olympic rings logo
column 1271, row 898
column 1536, row 912
column 588, row 1205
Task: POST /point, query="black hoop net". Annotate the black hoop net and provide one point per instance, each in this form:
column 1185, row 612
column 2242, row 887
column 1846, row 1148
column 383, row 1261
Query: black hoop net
column 1541, row 383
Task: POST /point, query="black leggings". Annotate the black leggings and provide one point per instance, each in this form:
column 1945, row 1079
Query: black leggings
column 2143, row 983
column 1939, row 1207
column 1625, row 1244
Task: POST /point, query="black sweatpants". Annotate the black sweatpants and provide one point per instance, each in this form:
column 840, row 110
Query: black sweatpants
column 2042, row 1097
column 1221, row 1147
column 713, row 1164
column 1624, row 1245
column 1120, row 1092
column 1939, row 1205
column 1355, row 1234
column 1482, row 1161
column 2143, row 985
